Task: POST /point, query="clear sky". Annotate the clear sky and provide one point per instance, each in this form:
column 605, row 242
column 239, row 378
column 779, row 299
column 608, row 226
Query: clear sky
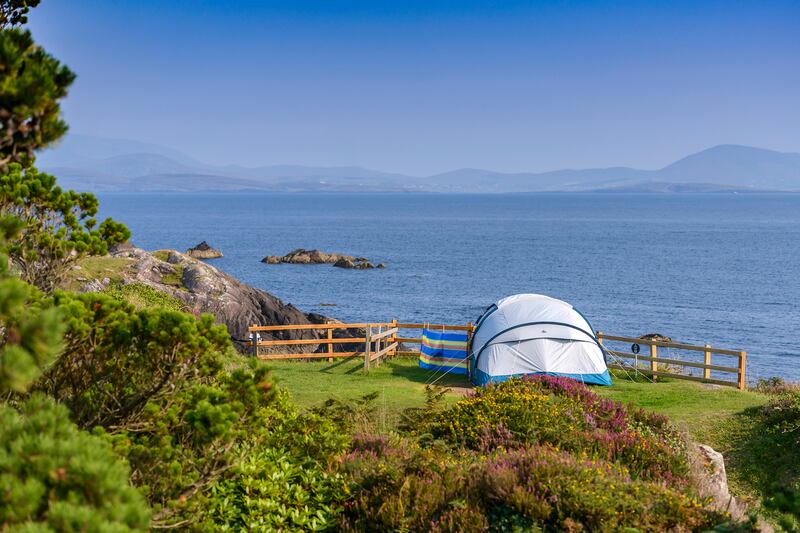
column 428, row 86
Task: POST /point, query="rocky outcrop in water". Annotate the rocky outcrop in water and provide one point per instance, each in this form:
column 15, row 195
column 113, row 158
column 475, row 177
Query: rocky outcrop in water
column 658, row 337
column 359, row 263
column 302, row 256
column 203, row 251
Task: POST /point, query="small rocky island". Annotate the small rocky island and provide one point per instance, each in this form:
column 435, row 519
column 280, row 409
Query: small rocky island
column 302, row 256
column 203, row 251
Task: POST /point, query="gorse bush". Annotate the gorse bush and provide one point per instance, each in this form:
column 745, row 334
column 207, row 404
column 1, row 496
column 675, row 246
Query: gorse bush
column 538, row 453
column 566, row 414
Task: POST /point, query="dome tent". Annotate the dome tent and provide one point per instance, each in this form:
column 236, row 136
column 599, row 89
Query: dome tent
column 535, row 334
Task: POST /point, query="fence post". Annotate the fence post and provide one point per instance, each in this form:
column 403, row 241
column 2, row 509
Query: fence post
column 330, row 344
column 654, row 363
column 599, row 336
column 394, row 337
column 367, row 346
column 742, row 359
column 707, row 362
column 254, row 340
column 378, row 345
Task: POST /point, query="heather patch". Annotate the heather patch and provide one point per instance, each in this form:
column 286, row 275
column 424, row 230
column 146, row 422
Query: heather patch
column 534, row 454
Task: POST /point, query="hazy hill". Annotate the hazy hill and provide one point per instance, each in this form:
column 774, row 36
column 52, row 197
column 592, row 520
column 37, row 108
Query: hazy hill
column 98, row 164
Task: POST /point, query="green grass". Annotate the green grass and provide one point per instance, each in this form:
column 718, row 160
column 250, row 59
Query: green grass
column 400, row 384
column 161, row 255
column 97, row 267
column 175, row 279
column 143, row 296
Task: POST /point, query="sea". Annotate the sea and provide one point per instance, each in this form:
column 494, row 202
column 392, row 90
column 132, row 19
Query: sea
column 722, row 269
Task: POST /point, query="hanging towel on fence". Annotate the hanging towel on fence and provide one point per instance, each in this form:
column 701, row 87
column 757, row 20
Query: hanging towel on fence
column 445, row 351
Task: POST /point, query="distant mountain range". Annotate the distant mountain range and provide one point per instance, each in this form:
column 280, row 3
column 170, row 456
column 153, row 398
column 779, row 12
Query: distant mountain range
column 110, row 165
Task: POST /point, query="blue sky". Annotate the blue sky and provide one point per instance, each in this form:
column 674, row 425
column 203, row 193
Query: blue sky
column 424, row 87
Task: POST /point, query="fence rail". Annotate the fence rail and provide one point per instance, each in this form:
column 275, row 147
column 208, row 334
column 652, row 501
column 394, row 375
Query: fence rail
column 653, row 369
column 380, row 340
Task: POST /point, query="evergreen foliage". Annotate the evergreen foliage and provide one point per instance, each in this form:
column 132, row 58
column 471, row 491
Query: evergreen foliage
column 55, row 477
column 58, row 227
column 32, row 83
column 30, row 334
column 14, row 12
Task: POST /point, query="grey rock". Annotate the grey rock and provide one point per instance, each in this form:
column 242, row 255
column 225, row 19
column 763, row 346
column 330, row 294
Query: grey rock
column 345, row 263
column 205, row 289
column 301, row 256
column 658, row 337
column 203, row 251
column 713, row 481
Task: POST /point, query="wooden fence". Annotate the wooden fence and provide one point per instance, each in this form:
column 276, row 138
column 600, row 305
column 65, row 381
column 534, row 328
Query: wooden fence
column 654, row 365
column 376, row 341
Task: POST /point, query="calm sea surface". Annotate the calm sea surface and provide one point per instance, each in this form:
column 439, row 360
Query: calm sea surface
column 721, row 269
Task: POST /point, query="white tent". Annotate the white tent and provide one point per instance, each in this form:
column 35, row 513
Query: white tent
column 535, row 334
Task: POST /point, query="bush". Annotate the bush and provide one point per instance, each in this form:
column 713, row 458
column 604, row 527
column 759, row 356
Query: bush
column 116, row 359
column 566, row 414
column 58, row 478
column 400, row 486
column 533, row 454
column 782, row 414
column 284, row 479
column 559, row 491
column 781, row 417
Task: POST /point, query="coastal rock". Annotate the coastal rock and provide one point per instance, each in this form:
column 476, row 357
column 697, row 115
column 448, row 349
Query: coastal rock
column 203, row 251
column 345, row 263
column 302, row 256
column 658, row 337
column 358, row 264
column 205, row 289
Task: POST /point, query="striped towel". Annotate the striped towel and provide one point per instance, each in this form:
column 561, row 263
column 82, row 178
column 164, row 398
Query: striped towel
column 444, row 350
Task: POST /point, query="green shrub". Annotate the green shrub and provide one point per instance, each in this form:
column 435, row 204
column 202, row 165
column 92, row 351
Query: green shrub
column 284, row 478
column 58, row 227
column 782, row 414
column 55, row 477
column 565, row 414
column 116, row 359
column 401, row 486
column 781, row 417
column 534, row 454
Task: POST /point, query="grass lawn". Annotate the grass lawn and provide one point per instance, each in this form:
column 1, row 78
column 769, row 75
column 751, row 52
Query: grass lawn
column 696, row 407
column 400, row 384
column 722, row 417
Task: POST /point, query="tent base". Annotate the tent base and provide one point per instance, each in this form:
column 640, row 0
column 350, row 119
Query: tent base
column 479, row 377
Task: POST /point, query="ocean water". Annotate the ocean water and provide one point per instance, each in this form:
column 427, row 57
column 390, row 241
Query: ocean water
column 722, row 269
